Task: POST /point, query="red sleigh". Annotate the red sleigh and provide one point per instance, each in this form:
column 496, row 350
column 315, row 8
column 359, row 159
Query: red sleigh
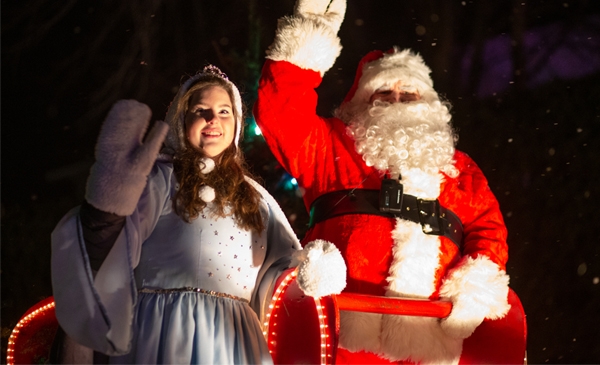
column 303, row 330
column 31, row 339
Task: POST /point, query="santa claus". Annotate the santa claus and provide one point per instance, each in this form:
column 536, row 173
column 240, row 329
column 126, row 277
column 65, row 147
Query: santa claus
column 412, row 216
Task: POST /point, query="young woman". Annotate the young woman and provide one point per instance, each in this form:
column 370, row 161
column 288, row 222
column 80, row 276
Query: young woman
column 173, row 259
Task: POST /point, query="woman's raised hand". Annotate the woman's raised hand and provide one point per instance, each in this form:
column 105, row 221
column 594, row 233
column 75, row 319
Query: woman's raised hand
column 123, row 157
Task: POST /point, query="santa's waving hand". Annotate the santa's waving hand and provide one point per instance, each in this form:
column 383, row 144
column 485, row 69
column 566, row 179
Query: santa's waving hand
column 309, row 37
column 330, row 12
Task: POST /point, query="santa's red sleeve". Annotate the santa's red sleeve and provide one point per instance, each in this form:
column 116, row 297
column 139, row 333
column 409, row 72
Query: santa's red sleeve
column 470, row 197
column 304, row 48
column 478, row 284
column 285, row 112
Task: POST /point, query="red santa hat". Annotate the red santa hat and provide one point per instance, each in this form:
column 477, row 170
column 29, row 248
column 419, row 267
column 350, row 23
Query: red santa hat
column 378, row 70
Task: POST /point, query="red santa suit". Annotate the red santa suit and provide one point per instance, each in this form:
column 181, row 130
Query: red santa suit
column 384, row 256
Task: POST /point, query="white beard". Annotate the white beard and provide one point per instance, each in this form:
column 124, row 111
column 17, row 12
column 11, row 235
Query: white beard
column 400, row 137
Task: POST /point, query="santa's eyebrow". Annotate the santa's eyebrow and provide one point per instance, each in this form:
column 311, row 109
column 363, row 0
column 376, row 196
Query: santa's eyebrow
column 409, row 88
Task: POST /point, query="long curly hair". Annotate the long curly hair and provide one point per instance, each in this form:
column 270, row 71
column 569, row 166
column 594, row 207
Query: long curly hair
column 233, row 194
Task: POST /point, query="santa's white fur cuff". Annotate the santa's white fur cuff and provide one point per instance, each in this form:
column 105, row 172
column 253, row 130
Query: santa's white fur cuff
column 478, row 289
column 306, row 43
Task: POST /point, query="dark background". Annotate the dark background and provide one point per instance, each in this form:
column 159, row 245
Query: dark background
column 523, row 78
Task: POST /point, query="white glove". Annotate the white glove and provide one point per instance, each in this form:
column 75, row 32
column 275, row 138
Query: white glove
column 322, row 270
column 478, row 289
column 123, row 160
column 308, row 39
column 330, row 12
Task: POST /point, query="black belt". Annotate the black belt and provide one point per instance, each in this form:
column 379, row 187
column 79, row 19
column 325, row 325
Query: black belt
column 435, row 219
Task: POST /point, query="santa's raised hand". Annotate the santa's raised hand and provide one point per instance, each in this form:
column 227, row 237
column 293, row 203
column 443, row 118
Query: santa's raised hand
column 330, row 12
column 309, row 38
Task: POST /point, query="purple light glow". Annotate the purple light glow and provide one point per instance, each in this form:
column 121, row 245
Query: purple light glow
column 551, row 52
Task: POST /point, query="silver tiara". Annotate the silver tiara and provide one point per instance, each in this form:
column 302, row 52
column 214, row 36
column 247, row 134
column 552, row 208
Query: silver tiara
column 214, row 70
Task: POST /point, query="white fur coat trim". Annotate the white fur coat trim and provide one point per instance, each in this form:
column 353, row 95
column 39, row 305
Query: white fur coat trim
column 306, row 43
column 393, row 337
column 414, row 263
column 360, row 331
column 415, row 254
column 422, row 184
column 419, row 339
column 478, row 289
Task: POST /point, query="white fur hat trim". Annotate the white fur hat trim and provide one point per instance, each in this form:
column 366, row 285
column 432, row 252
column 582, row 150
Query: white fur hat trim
column 394, row 66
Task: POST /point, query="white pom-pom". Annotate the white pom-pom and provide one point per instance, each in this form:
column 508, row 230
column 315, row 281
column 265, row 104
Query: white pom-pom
column 207, row 193
column 206, row 166
column 322, row 271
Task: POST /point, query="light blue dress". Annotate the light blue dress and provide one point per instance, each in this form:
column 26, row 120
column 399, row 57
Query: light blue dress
column 170, row 291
